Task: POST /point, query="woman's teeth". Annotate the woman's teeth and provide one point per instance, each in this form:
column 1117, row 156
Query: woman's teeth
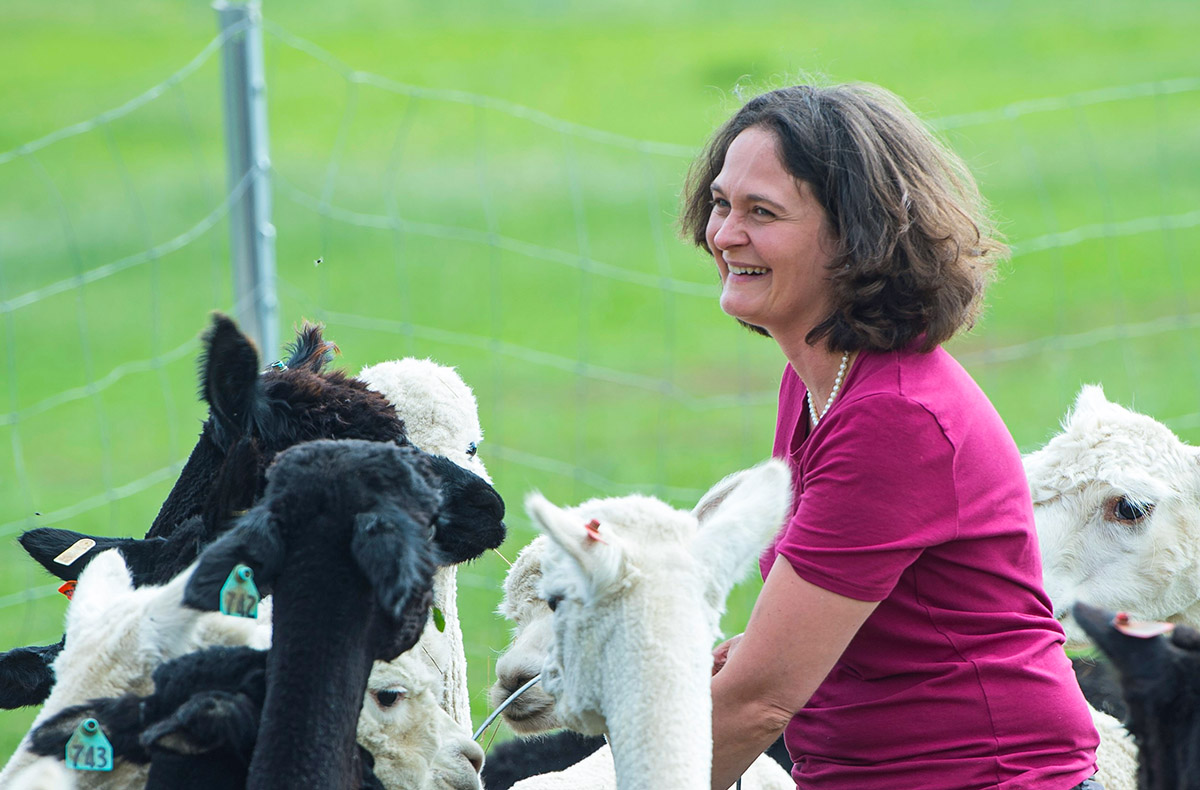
column 747, row 270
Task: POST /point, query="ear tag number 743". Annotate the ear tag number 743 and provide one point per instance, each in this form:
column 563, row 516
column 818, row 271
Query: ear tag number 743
column 88, row 749
column 239, row 594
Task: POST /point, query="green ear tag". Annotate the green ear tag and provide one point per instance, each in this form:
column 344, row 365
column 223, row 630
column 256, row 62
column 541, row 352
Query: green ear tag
column 88, row 749
column 439, row 619
column 239, row 595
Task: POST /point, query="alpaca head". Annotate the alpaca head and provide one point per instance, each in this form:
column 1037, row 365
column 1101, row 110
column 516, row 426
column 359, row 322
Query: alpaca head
column 637, row 589
column 439, row 409
column 533, row 635
column 1160, row 681
column 415, row 743
column 1116, row 498
column 332, row 508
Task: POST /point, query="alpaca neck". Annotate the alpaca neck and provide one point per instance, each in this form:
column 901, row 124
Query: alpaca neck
column 659, row 714
column 317, row 672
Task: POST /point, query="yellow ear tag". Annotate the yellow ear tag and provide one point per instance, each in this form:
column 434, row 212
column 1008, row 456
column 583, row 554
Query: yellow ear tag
column 88, row 749
column 76, row 550
column 239, row 595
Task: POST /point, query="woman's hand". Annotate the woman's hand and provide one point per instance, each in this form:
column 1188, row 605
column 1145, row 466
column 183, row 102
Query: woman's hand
column 721, row 652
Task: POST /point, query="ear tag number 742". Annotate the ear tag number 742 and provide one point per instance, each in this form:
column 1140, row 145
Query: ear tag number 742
column 88, row 749
column 239, row 594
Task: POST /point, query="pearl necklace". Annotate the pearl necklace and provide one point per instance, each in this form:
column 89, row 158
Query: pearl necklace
column 837, row 385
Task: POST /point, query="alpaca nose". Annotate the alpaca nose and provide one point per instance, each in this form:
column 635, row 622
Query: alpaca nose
column 473, row 753
column 513, row 681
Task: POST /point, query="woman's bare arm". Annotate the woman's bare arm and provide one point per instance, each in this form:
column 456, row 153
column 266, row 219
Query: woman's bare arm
column 796, row 633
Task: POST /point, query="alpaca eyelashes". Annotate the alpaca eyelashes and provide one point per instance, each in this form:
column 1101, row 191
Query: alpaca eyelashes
column 389, row 697
column 1128, row 511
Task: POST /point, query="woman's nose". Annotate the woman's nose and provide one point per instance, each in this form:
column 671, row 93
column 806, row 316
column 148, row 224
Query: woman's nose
column 729, row 233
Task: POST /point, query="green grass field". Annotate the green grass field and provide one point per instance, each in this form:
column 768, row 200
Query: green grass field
column 537, row 256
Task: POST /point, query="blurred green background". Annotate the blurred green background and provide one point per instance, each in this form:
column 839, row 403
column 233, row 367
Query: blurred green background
column 494, row 185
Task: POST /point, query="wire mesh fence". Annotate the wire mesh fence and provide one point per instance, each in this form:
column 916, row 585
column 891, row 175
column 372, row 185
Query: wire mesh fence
column 539, row 256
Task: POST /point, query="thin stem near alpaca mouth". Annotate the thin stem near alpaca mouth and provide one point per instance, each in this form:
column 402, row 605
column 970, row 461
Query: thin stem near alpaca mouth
column 500, row 708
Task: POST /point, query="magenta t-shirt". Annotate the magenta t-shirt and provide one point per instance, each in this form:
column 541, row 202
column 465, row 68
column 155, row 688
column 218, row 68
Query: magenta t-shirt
column 911, row 493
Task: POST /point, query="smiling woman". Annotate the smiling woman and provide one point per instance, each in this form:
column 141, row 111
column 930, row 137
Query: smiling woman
column 902, row 637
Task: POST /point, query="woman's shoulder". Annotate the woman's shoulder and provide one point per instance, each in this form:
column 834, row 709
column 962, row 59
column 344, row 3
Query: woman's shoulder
column 933, row 379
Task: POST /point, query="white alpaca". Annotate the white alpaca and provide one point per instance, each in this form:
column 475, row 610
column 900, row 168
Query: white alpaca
column 637, row 603
column 416, row 744
column 534, row 711
column 1116, row 498
column 441, row 417
column 116, row 635
column 1117, row 755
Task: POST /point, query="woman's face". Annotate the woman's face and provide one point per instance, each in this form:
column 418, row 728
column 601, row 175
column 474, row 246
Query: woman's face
column 770, row 239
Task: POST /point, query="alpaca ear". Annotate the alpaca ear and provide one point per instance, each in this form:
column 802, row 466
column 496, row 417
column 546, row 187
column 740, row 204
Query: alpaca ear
column 229, row 380
column 61, row 552
column 207, row 721
column 255, row 542
column 1088, row 403
column 1132, row 656
column 390, row 549
column 25, row 675
column 717, row 494
column 599, row 556
column 738, row 517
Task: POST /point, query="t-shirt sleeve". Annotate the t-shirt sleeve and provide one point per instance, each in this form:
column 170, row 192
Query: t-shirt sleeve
column 876, row 491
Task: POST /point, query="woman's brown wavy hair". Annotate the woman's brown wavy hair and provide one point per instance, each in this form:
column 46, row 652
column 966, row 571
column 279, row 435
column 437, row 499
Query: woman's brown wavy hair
column 916, row 249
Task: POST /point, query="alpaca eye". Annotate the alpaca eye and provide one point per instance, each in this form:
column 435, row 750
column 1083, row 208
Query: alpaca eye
column 472, row 448
column 553, row 602
column 388, row 697
column 1126, row 510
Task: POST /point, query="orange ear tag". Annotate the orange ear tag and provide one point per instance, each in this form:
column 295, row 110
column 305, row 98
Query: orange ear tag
column 593, row 531
column 1141, row 629
column 67, row 589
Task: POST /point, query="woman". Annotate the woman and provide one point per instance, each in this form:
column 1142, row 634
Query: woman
column 902, row 638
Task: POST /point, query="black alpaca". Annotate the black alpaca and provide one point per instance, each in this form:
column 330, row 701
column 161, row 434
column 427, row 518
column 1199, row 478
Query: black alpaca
column 252, row 416
column 1160, row 682
column 340, row 539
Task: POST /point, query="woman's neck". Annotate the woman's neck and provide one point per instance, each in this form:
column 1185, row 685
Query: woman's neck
column 818, row 368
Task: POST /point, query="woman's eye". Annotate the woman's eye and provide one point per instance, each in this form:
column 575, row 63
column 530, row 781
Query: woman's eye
column 720, row 205
column 759, row 211
column 472, row 448
column 1125, row 509
column 388, row 697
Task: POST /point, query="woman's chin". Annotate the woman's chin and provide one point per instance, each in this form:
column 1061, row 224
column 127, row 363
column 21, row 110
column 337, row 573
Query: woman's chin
column 736, row 307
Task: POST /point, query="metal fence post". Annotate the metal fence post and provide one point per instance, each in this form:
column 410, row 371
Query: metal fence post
column 252, row 235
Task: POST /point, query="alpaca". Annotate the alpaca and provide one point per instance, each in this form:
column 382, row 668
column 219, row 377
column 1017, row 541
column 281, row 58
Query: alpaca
column 416, row 744
column 1159, row 680
column 442, row 417
column 117, row 634
column 252, row 416
column 340, row 539
column 637, row 589
column 1116, row 498
column 559, row 759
